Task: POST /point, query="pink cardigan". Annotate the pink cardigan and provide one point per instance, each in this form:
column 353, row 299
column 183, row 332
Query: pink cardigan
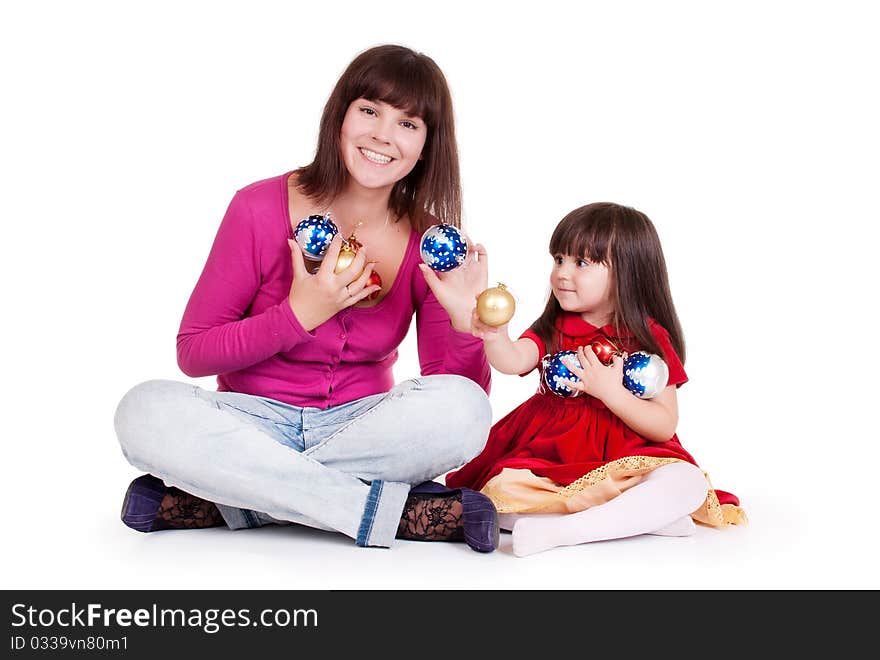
column 238, row 323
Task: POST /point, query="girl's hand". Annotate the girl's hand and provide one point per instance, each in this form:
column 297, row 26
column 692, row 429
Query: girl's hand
column 314, row 298
column 488, row 333
column 456, row 289
column 596, row 379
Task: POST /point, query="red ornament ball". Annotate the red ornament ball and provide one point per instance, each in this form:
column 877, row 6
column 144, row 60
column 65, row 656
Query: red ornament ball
column 371, row 280
column 605, row 349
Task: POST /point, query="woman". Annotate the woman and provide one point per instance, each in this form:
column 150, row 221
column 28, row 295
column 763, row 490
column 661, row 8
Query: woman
column 307, row 425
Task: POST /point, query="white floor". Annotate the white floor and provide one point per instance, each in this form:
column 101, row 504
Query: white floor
column 89, row 548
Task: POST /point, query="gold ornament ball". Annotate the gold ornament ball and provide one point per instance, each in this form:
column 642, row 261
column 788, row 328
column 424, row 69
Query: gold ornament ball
column 495, row 306
column 344, row 260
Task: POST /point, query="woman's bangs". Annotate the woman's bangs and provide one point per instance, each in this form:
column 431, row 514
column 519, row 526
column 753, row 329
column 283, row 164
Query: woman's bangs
column 408, row 88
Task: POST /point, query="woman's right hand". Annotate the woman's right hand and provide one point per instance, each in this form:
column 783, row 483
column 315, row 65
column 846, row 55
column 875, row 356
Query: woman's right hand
column 314, row 298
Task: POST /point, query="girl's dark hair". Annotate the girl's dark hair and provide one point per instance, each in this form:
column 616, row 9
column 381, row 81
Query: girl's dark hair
column 626, row 241
column 411, row 82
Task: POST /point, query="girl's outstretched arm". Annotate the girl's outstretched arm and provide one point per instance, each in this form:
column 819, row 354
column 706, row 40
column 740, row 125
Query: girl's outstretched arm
column 654, row 419
column 505, row 355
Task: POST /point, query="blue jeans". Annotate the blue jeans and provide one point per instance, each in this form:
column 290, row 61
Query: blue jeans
column 347, row 468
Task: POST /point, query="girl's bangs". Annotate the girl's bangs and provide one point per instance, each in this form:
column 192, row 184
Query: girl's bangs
column 579, row 236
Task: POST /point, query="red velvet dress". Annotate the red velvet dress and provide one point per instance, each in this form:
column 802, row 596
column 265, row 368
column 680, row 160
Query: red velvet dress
column 565, row 439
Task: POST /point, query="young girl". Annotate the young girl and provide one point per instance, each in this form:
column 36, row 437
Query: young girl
column 607, row 463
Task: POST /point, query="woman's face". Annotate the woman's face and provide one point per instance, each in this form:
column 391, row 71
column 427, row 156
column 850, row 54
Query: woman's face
column 380, row 144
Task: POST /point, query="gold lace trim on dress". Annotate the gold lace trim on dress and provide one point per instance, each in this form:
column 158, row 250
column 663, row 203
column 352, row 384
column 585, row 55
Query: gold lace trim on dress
column 521, row 491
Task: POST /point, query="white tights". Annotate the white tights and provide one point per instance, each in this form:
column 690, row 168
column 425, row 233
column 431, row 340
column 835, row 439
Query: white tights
column 660, row 504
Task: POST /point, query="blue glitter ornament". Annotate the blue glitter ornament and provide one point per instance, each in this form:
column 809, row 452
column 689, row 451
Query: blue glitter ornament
column 554, row 372
column 645, row 374
column 313, row 234
column 443, row 248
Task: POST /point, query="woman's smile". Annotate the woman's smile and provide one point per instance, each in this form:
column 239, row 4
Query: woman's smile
column 374, row 156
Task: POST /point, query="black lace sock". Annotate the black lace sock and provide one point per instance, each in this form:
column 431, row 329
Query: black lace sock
column 180, row 510
column 432, row 518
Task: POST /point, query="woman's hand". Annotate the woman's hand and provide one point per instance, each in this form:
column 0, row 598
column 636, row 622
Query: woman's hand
column 457, row 289
column 314, row 298
column 596, row 379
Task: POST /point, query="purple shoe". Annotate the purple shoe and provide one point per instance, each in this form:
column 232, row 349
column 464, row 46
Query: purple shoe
column 140, row 507
column 479, row 517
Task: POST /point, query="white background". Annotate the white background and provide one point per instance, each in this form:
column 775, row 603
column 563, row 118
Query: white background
column 748, row 132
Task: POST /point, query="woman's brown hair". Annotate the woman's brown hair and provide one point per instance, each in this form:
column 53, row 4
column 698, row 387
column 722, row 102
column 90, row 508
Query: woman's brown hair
column 626, row 241
column 411, row 82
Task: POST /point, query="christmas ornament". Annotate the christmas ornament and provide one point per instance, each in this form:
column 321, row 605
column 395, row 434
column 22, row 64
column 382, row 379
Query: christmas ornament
column 495, row 306
column 554, row 372
column 443, row 247
column 605, row 349
column 313, row 234
column 645, row 374
column 347, row 253
column 371, row 280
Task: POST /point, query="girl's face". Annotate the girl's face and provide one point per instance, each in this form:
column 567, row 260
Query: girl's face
column 583, row 287
column 380, row 144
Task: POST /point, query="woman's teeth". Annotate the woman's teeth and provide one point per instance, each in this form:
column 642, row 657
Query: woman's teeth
column 381, row 159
